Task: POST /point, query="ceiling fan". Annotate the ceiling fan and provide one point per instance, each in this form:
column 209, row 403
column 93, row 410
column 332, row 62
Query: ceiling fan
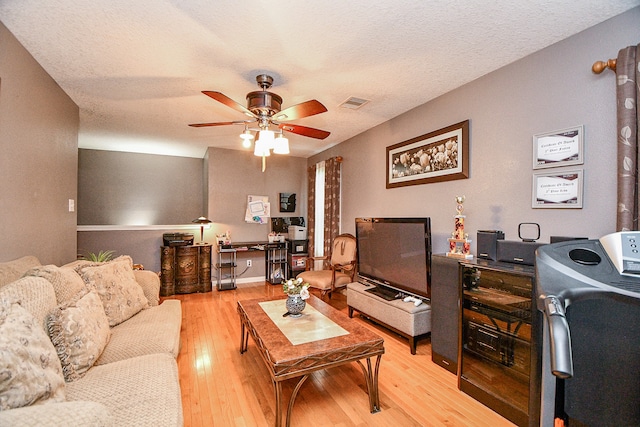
column 264, row 107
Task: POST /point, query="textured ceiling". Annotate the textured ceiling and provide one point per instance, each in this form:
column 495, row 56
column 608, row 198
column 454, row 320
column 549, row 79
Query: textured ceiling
column 136, row 68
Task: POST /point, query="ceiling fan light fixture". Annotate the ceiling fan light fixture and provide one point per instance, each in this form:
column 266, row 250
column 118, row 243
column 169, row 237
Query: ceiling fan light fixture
column 281, row 145
column 246, row 134
column 261, row 149
column 266, row 136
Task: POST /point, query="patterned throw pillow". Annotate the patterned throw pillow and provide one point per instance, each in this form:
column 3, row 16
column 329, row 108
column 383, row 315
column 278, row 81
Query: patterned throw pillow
column 66, row 282
column 121, row 295
column 80, row 331
column 30, row 371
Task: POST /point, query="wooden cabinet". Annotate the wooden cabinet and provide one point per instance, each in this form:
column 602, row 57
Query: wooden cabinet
column 185, row 269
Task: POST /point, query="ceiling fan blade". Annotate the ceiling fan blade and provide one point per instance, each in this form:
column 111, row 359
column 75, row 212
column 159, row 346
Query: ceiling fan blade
column 298, row 111
column 201, row 125
column 305, row 131
column 229, row 102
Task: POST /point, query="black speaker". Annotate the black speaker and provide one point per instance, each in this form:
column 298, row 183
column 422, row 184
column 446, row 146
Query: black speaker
column 518, row 252
column 488, row 243
column 445, row 311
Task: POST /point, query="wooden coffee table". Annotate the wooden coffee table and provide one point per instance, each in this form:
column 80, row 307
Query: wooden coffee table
column 295, row 347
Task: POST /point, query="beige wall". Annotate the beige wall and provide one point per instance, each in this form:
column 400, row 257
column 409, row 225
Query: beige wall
column 38, row 166
column 549, row 90
column 232, row 176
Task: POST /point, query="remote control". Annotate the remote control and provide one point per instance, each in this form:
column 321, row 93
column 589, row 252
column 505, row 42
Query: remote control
column 416, row 301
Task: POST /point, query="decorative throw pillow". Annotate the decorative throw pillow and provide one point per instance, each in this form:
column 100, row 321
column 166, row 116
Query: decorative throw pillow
column 80, row 331
column 66, row 282
column 115, row 283
column 30, row 371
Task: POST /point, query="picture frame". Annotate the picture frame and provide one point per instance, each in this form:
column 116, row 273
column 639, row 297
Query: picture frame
column 563, row 147
column 441, row 155
column 561, row 189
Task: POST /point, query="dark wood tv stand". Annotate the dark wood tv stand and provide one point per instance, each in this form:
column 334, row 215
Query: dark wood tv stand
column 404, row 318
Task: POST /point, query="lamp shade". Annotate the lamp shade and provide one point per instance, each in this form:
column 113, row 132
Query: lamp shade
column 202, row 221
column 261, row 148
column 281, row 145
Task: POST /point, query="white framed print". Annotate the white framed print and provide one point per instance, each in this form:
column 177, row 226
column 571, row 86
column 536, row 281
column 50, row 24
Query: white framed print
column 559, row 148
column 558, row 190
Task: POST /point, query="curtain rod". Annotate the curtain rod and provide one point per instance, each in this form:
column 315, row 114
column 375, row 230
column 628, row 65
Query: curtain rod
column 600, row 66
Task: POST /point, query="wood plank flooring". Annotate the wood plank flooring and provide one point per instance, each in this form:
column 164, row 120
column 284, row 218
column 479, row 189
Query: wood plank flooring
column 221, row 387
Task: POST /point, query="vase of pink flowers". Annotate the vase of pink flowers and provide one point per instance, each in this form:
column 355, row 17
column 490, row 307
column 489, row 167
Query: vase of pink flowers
column 297, row 294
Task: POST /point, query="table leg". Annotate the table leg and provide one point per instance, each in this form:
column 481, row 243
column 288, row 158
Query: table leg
column 278, row 390
column 244, row 338
column 371, row 378
column 293, row 398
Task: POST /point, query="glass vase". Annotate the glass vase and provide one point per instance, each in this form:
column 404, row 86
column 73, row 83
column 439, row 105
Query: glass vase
column 295, row 305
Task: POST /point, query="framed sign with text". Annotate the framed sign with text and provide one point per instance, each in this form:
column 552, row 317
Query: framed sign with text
column 559, row 148
column 558, row 190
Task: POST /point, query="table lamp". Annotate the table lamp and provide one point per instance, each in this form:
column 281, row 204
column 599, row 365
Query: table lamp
column 202, row 221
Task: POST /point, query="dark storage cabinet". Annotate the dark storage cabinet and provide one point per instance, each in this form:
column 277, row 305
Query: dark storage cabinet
column 499, row 352
column 185, row 269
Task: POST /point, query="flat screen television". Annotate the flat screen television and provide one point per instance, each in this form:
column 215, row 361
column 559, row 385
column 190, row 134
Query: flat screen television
column 395, row 253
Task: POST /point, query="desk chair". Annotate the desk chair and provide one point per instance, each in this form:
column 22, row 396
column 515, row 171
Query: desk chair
column 341, row 269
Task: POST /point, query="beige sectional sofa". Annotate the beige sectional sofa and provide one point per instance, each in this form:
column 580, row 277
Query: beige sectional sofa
column 87, row 344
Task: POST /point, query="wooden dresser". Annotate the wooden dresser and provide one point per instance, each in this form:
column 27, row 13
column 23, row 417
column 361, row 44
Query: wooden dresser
column 185, row 269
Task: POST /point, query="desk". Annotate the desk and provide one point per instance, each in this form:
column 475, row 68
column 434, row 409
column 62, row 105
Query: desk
column 285, row 360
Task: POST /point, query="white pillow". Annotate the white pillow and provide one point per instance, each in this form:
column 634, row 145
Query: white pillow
column 30, row 371
column 80, row 331
column 120, row 293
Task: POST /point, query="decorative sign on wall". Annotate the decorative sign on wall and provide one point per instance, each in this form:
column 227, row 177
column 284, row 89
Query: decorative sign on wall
column 258, row 209
column 287, row 202
column 558, row 148
column 562, row 189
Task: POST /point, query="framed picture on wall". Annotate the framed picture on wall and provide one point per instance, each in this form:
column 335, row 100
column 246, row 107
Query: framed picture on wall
column 442, row 155
column 559, row 148
column 558, row 190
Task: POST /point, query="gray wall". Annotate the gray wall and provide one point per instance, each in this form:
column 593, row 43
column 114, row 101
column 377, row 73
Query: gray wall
column 38, row 167
column 118, row 188
column 546, row 91
column 107, row 196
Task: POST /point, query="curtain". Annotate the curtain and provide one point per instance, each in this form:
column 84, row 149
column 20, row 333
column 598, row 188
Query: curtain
column 311, row 210
column 627, row 94
column 331, row 202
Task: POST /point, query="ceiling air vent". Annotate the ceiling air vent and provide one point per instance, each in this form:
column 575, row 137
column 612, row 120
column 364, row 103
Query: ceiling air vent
column 354, row 103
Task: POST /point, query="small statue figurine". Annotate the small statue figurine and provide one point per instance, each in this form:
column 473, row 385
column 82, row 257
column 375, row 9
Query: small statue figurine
column 459, row 243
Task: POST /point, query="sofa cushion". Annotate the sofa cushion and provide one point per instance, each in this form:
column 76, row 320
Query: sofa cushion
column 80, row 331
column 62, row 414
column 30, row 372
column 141, row 391
column 116, row 285
column 154, row 330
column 35, row 294
column 65, row 280
column 12, row 270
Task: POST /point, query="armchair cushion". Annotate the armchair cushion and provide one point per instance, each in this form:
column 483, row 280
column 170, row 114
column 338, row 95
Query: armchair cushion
column 321, row 279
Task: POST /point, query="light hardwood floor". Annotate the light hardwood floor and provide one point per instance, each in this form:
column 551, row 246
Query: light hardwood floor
column 221, row 387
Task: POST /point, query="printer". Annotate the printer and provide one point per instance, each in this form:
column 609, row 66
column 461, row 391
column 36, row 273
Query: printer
column 177, row 239
column 297, row 232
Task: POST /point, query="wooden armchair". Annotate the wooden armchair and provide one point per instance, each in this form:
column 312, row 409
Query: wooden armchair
column 342, row 266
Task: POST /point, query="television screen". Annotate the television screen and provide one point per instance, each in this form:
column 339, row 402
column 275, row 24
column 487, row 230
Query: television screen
column 395, row 252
